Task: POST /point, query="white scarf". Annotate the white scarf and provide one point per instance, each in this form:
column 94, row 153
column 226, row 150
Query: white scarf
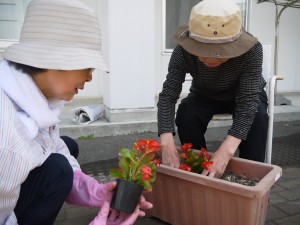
column 36, row 112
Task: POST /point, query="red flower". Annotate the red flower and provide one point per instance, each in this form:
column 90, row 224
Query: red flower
column 140, row 145
column 157, row 162
column 207, row 164
column 204, row 154
column 148, row 145
column 194, row 161
column 138, row 164
column 186, row 146
column 185, row 167
column 145, row 177
column 153, row 145
column 183, row 155
column 146, row 170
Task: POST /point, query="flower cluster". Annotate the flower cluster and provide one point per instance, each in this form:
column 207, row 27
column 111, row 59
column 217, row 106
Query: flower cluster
column 138, row 165
column 194, row 161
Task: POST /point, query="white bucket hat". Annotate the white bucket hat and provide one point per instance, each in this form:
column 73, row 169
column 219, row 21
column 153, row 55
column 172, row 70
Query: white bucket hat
column 215, row 30
column 59, row 34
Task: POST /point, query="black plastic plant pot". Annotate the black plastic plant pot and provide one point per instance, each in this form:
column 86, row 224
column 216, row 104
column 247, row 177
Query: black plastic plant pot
column 126, row 196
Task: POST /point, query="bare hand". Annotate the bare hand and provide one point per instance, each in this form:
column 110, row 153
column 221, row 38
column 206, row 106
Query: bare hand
column 222, row 156
column 170, row 155
column 220, row 160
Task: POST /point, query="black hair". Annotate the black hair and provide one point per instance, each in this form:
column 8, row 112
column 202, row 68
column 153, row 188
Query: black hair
column 27, row 69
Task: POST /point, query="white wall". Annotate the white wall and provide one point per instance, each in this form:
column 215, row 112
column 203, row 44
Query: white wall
column 129, row 43
column 262, row 25
column 95, row 87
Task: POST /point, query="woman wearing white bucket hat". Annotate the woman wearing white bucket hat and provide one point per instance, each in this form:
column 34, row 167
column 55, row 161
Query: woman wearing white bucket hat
column 59, row 47
column 225, row 63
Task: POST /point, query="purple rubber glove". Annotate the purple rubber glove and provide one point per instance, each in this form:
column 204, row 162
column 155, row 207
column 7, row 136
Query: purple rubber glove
column 116, row 218
column 87, row 191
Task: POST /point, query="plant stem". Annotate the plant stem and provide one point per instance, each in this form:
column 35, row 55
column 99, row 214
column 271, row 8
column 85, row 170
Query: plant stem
column 136, row 165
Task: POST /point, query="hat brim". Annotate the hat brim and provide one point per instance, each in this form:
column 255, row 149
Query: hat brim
column 54, row 57
column 211, row 50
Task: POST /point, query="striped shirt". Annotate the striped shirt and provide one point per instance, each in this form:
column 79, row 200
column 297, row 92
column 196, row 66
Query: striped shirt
column 19, row 154
column 240, row 78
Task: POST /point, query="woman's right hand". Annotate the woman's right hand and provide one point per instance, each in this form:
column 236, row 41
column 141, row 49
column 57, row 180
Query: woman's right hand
column 170, row 155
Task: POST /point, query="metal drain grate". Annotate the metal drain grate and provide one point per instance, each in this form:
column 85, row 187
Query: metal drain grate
column 100, row 169
column 286, row 150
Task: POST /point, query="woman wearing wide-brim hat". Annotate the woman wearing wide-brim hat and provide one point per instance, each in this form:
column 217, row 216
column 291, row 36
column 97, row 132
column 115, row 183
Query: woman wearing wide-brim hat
column 59, row 48
column 225, row 63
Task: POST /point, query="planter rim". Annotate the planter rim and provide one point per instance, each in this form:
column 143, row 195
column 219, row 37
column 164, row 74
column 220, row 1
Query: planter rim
column 258, row 190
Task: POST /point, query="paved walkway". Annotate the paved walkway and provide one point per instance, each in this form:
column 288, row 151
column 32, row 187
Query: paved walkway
column 284, row 203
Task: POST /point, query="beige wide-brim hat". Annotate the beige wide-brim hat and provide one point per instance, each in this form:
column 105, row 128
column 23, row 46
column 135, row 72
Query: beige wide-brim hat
column 59, row 34
column 215, row 31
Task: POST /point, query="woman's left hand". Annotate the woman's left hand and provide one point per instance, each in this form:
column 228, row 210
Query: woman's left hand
column 220, row 160
column 222, row 156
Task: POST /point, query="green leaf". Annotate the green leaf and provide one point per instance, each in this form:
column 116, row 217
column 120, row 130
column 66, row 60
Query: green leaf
column 125, row 153
column 116, row 173
column 147, row 185
column 124, row 164
column 133, row 153
column 196, row 167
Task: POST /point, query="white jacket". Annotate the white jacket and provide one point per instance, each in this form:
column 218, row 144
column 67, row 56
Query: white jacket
column 27, row 135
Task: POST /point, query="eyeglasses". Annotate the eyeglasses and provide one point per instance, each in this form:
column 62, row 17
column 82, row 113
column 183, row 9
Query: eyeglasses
column 91, row 71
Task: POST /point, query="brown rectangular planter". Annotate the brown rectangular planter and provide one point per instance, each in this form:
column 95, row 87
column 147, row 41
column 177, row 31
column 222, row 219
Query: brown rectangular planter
column 185, row 198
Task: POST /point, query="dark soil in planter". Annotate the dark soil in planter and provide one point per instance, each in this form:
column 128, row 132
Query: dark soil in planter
column 227, row 175
column 231, row 177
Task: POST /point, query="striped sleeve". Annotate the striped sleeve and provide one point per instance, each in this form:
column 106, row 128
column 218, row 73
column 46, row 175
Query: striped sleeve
column 247, row 100
column 14, row 167
column 61, row 148
column 13, row 171
column 172, row 88
column 12, row 220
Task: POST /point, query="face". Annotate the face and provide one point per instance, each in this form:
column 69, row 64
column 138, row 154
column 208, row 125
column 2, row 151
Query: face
column 62, row 84
column 212, row 62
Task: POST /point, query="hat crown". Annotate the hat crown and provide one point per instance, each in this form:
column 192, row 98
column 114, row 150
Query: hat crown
column 215, row 21
column 54, row 22
column 59, row 34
